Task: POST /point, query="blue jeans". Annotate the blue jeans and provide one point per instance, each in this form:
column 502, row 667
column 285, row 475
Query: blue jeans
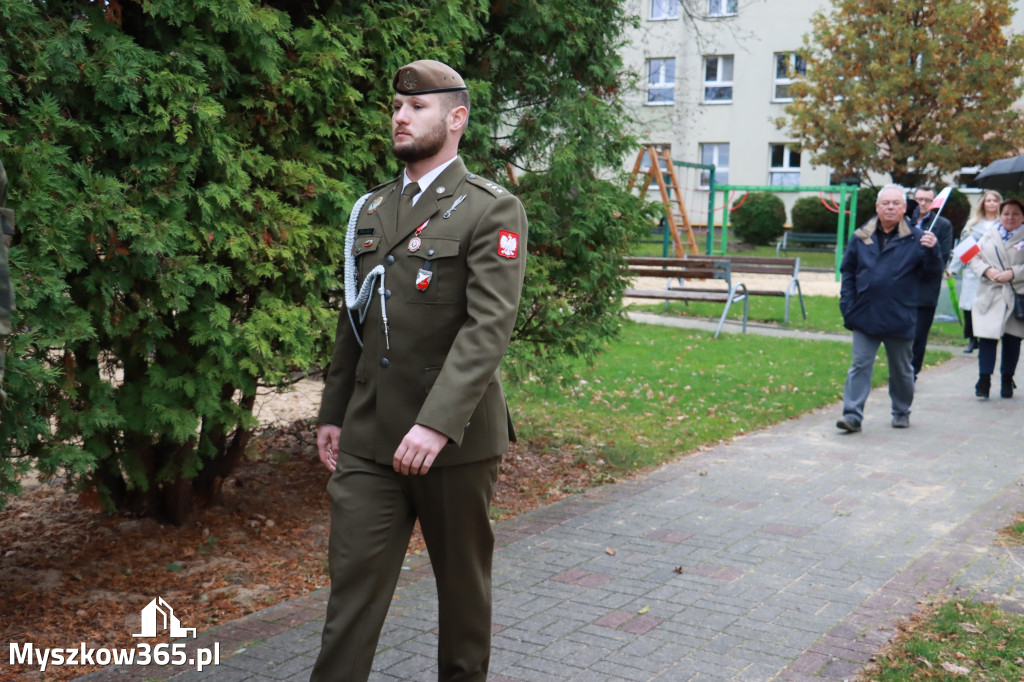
column 858, row 378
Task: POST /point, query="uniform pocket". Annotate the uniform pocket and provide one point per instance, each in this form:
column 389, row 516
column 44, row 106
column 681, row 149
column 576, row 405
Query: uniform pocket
column 430, row 375
column 439, row 277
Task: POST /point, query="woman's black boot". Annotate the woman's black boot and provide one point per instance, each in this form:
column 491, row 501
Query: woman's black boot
column 1008, row 386
column 984, row 384
column 972, row 343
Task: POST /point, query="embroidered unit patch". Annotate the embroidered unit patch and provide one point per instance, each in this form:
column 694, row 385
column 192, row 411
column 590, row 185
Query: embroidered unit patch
column 508, row 244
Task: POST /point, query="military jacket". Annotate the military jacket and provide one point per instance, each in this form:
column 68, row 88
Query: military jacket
column 452, row 295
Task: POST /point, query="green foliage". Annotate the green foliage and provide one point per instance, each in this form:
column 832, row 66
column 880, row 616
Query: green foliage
column 866, row 198
column 908, row 88
column 183, row 172
column 957, row 211
column 810, row 215
column 760, row 219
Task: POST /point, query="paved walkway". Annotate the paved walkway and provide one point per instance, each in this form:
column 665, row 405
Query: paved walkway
column 787, row 554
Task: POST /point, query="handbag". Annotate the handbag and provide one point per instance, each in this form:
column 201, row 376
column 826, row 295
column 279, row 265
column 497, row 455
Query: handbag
column 1018, row 306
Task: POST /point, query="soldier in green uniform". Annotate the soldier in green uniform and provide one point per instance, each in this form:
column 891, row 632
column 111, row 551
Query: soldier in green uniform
column 413, row 420
column 6, row 286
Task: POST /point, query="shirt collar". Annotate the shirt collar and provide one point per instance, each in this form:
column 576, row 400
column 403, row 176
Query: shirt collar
column 427, row 179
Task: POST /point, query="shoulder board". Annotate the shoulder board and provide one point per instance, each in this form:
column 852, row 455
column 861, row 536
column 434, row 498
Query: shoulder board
column 492, row 187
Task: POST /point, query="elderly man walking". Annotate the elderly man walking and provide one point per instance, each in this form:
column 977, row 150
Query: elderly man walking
column 884, row 264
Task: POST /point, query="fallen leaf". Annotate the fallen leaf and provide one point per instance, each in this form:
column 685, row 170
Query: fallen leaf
column 644, row 610
column 679, row 570
column 955, row 669
column 609, row 551
column 970, row 627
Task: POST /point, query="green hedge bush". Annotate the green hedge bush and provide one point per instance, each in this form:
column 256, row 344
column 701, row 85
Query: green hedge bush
column 760, row 219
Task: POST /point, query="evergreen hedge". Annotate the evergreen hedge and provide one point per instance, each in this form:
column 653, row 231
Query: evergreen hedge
column 760, row 219
column 183, row 172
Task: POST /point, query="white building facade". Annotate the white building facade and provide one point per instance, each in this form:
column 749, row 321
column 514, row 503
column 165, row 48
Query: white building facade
column 713, row 85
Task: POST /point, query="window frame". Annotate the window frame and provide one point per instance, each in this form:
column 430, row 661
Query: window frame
column 723, row 8
column 786, row 81
column 716, row 148
column 667, row 6
column 719, row 83
column 661, row 85
column 787, row 169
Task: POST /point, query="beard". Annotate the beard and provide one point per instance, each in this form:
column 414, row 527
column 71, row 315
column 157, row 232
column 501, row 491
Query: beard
column 423, row 148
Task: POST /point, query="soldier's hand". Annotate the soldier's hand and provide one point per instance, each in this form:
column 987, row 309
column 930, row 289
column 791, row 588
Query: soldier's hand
column 327, row 437
column 417, row 451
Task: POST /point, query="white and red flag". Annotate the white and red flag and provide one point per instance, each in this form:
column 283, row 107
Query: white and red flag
column 937, row 204
column 967, row 249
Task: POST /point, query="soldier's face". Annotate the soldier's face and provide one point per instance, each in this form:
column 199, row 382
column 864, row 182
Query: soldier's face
column 419, row 127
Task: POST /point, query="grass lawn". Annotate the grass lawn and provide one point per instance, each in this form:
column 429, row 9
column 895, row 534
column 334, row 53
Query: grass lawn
column 658, row 392
column 957, row 640
column 822, row 315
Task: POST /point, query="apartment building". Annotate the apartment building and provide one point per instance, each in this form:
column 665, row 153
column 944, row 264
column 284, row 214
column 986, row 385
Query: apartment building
column 715, row 76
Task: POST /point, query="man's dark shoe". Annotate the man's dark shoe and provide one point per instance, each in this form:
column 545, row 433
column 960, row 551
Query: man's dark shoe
column 981, row 388
column 1008, row 386
column 901, row 421
column 848, row 425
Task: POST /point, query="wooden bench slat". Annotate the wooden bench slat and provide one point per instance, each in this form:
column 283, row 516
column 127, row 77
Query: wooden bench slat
column 678, row 295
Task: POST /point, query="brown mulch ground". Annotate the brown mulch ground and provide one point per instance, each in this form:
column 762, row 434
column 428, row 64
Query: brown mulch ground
column 70, row 574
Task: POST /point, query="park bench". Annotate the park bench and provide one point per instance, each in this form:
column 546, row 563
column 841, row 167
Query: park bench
column 805, row 241
column 682, row 269
column 763, row 265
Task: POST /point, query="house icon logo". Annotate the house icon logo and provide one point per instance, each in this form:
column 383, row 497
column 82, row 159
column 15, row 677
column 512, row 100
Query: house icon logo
column 158, row 616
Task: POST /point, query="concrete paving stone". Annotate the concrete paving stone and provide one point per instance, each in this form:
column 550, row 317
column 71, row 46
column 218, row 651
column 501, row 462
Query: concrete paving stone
column 625, row 671
column 512, row 640
column 410, row 666
column 287, row 669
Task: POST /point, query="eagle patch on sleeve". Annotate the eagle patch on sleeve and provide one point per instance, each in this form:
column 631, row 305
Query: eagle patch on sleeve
column 508, row 244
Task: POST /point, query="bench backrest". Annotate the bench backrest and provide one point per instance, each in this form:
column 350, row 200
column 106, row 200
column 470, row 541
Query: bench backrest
column 765, row 265
column 685, row 268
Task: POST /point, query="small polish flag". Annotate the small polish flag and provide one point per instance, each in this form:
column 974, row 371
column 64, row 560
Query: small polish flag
column 939, row 201
column 967, row 249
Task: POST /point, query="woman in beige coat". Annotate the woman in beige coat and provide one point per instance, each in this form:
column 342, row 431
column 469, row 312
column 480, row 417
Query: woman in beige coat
column 1000, row 268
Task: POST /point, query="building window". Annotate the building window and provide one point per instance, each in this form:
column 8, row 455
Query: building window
column 664, row 9
column 784, row 168
column 723, row 8
column 661, row 81
column 716, row 155
column 718, row 79
column 646, row 161
column 789, row 66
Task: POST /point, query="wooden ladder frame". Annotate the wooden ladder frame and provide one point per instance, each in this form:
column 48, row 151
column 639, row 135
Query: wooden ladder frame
column 668, row 190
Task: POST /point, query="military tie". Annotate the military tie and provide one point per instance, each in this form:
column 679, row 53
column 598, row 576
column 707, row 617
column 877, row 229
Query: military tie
column 405, row 203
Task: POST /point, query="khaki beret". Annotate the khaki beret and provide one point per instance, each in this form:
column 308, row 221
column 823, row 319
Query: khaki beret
column 427, row 76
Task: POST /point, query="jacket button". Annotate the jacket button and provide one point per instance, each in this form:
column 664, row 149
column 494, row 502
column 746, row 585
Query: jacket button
column 387, row 294
column 390, row 260
column 430, row 252
column 384, row 362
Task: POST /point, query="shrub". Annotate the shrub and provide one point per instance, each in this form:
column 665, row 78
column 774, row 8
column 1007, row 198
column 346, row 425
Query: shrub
column 760, row 219
column 809, row 214
column 865, row 205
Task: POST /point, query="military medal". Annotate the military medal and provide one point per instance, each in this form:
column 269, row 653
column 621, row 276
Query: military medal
column 423, row 279
column 415, row 243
